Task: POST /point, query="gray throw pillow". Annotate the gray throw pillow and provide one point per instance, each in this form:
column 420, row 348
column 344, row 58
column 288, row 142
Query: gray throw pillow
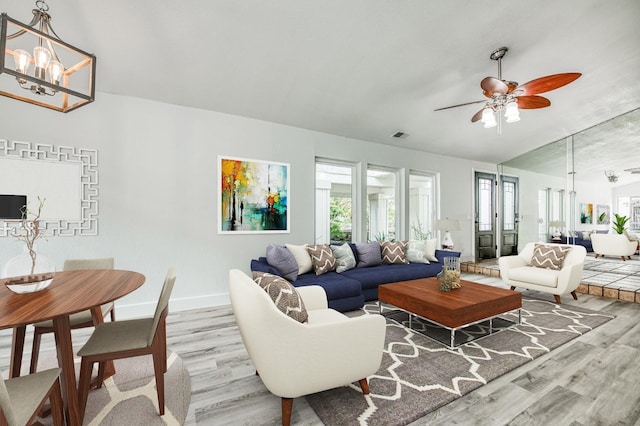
column 282, row 259
column 283, row 294
column 345, row 259
column 369, row 254
column 417, row 251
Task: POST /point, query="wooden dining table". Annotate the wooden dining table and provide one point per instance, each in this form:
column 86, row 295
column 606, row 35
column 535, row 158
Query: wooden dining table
column 68, row 293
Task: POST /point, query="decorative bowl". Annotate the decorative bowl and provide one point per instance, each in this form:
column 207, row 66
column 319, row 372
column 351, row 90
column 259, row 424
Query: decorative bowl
column 28, row 283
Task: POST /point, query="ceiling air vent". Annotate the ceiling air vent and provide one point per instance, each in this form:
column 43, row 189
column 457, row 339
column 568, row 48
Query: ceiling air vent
column 399, row 135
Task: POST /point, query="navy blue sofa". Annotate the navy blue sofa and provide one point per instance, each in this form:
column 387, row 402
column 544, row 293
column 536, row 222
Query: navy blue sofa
column 350, row 289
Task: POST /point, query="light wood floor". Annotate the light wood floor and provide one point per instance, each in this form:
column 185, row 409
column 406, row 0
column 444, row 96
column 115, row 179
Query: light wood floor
column 592, row 380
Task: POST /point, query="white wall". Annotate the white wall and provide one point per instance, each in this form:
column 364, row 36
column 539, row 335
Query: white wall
column 158, row 188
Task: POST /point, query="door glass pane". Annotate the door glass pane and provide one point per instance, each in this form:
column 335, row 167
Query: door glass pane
column 509, row 206
column 421, row 205
column 334, row 201
column 381, row 204
column 485, row 205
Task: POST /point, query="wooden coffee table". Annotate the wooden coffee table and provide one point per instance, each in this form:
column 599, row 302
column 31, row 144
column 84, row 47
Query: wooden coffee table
column 471, row 304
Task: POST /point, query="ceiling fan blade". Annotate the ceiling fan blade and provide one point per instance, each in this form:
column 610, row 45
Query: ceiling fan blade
column 459, row 105
column 477, row 116
column 533, row 102
column 491, row 85
column 548, row 83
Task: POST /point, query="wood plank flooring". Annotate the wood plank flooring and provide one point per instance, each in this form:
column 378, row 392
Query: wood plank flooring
column 592, row 380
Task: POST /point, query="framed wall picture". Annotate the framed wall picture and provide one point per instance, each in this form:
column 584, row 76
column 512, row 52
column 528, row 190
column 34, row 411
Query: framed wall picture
column 603, row 214
column 586, row 213
column 253, row 196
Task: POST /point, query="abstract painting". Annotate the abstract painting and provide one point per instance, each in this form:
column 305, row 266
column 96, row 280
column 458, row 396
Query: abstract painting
column 586, row 213
column 603, row 214
column 254, row 196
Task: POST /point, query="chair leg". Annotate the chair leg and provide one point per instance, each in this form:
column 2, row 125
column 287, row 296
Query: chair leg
column 35, row 351
column 624, row 259
column 364, row 385
column 513, row 287
column 287, row 408
column 113, row 314
column 86, row 367
column 159, row 369
column 101, row 370
column 558, row 300
column 575, row 296
column 57, row 407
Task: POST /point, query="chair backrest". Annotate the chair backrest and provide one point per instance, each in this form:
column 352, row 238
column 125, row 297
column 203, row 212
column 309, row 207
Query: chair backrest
column 82, row 264
column 163, row 303
column 5, row 403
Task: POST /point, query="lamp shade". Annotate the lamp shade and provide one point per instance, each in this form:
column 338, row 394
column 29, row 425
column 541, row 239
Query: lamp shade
column 557, row 223
column 448, row 225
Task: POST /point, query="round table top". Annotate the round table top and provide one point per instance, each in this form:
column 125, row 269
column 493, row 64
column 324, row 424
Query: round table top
column 68, row 293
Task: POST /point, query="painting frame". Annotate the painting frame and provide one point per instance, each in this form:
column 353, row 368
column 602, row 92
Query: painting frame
column 603, row 211
column 586, row 213
column 253, row 196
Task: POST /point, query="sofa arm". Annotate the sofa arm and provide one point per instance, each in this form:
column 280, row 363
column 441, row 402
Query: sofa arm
column 510, row 262
column 569, row 278
column 441, row 254
column 313, row 296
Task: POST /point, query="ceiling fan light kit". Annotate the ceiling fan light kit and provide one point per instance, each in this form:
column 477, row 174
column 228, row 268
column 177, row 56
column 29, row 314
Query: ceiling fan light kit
column 509, row 97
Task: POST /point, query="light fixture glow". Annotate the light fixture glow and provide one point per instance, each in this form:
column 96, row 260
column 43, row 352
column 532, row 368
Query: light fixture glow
column 488, row 118
column 511, row 112
column 63, row 76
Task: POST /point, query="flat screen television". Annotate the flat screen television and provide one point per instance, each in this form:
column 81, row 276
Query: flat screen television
column 10, row 206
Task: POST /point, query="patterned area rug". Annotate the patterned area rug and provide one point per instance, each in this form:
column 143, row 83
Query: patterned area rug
column 129, row 397
column 612, row 272
column 418, row 375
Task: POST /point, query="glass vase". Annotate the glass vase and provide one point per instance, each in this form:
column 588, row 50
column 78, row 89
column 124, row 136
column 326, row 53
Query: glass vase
column 451, row 272
column 21, row 264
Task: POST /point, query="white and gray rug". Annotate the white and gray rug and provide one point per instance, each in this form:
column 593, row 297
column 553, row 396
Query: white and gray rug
column 129, row 397
column 418, row 375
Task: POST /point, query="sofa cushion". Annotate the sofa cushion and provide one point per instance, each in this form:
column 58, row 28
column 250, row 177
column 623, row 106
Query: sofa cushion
column 548, row 256
column 383, row 274
column 345, row 259
column 336, row 286
column 393, row 253
column 432, row 245
column 417, row 251
column 282, row 259
column 322, row 258
column 534, row 275
column 369, row 254
column 283, row 294
column 302, row 257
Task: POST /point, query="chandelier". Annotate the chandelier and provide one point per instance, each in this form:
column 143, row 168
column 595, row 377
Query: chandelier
column 54, row 75
column 611, row 175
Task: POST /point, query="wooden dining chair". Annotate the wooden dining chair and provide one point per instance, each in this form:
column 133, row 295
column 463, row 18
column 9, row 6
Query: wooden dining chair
column 126, row 339
column 21, row 398
column 81, row 319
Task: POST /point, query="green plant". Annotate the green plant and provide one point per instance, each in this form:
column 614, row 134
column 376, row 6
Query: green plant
column 418, row 232
column 602, row 216
column 619, row 223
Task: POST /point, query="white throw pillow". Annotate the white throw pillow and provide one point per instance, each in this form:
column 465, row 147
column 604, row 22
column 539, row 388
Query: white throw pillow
column 302, row 257
column 417, row 251
column 431, row 250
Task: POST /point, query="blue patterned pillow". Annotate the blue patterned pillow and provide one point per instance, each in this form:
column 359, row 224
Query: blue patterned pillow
column 369, row 254
column 345, row 259
column 282, row 259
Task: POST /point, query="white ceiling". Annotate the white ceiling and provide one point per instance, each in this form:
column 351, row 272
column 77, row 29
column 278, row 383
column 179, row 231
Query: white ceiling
column 365, row 68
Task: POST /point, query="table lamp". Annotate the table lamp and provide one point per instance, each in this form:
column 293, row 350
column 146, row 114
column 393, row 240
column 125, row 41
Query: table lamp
column 447, row 225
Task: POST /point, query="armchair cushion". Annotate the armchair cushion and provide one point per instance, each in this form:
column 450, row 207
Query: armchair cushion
column 283, row 294
column 322, row 258
column 549, row 257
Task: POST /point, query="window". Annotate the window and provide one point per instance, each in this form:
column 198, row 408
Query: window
column 334, row 202
column 381, row 203
column 421, row 205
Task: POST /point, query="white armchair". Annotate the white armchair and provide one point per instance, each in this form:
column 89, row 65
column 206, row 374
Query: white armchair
column 516, row 271
column 614, row 245
column 295, row 359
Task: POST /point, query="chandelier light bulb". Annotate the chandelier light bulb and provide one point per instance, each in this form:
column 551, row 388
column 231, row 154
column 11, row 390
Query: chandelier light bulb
column 56, row 69
column 511, row 112
column 488, row 118
column 41, row 57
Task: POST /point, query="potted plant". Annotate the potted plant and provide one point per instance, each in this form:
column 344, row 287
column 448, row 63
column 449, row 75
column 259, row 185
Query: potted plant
column 619, row 223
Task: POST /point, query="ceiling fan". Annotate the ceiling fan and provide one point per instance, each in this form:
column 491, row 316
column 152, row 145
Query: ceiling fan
column 633, row 170
column 509, row 96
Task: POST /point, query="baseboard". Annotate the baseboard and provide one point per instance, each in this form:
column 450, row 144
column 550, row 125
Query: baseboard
column 141, row 310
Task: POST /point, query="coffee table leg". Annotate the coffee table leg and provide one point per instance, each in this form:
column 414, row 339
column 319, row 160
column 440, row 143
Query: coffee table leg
column 453, row 338
column 491, row 326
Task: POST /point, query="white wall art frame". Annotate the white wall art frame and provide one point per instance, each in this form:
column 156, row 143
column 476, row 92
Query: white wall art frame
column 66, row 177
